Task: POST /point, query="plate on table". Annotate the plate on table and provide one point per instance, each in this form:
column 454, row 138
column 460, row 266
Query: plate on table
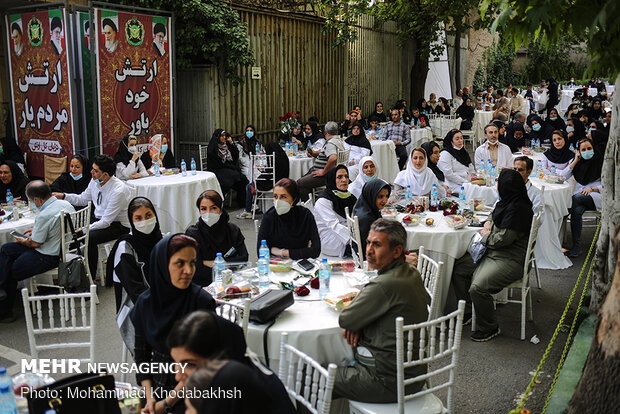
column 341, row 300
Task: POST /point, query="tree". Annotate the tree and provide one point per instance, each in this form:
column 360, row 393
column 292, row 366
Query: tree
column 206, row 32
column 420, row 23
column 598, row 389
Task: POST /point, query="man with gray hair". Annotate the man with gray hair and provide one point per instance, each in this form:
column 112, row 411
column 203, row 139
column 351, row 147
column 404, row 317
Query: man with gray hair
column 369, row 321
column 324, row 162
column 34, row 252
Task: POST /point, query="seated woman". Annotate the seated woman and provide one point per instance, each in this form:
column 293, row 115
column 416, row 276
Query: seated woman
column 171, row 296
column 289, row 229
column 572, row 111
column 417, row 176
column 233, row 378
column 443, row 107
column 541, row 130
column 223, row 161
column 202, row 336
column 129, row 266
column 329, row 213
column 9, row 150
column 246, row 146
column 264, row 178
column 12, row 178
column 432, row 149
column 505, row 238
column 424, row 107
column 576, row 130
column 374, row 197
column 596, row 112
column 297, row 136
column 314, row 135
column 347, row 125
column 165, row 159
column 555, row 121
column 515, row 136
column 76, row 179
column 586, row 167
column 359, row 146
column 379, row 112
column 215, row 234
column 368, row 172
column 559, row 155
column 466, row 113
column 127, row 160
column 454, row 161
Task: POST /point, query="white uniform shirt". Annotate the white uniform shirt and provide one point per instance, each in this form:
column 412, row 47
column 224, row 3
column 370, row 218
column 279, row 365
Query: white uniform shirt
column 504, row 155
column 454, row 172
column 333, row 229
column 124, row 172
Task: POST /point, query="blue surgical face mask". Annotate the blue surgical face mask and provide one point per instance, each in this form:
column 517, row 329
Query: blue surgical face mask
column 570, row 128
column 553, row 118
column 586, row 155
column 98, row 181
column 591, row 129
column 164, row 148
column 76, row 177
column 249, row 134
column 367, row 178
column 536, row 127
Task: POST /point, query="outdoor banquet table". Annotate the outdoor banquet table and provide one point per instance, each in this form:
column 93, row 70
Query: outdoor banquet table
column 20, row 226
column 481, row 119
column 418, row 137
column 441, row 125
column 566, row 99
column 385, row 154
column 174, row 197
column 299, row 165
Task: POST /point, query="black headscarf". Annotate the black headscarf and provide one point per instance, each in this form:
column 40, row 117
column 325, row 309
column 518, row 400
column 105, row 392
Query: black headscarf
column 339, row 204
column 580, row 131
column 545, row 131
column 236, row 376
column 558, row 124
column 316, row 134
column 429, row 147
column 162, row 304
column 588, row 171
column 123, row 155
column 359, row 140
column 249, row 144
column 509, row 136
column 599, row 137
column 466, row 112
column 65, row 182
column 560, row 156
column 461, row 155
column 366, row 207
column 514, row 209
column 17, row 185
column 216, row 238
column 11, row 151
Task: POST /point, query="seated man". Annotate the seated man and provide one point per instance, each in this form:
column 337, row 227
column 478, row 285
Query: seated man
column 324, row 162
column 499, row 154
column 524, row 166
column 110, row 198
column 34, row 254
column 369, row 321
column 398, row 132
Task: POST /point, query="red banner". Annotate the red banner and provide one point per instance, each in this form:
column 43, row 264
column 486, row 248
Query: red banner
column 134, row 75
column 40, row 86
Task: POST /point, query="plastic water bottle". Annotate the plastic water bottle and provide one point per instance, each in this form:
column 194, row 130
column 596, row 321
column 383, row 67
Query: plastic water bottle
column 462, row 198
column 183, row 168
column 572, row 148
column 263, row 272
column 482, row 170
column 434, row 196
column 489, row 165
column 5, row 379
column 257, row 149
column 538, row 166
column 309, row 147
column 493, row 175
column 295, row 147
column 156, row 168
column 324, row 276
column 264, row 250
column 193, row 166
column 10, row 204
column 7, row 400
column 552, row 170
column 287, row 148
column 408, row 194
column 219, row 265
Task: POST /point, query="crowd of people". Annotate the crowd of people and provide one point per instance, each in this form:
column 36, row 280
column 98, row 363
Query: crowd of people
column 161, row 277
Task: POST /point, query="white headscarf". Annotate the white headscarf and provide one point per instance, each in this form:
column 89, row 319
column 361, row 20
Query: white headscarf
column 422, row 181
column 355, row 187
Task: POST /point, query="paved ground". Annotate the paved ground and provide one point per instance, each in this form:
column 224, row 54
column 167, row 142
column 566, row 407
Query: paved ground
column 489, row 377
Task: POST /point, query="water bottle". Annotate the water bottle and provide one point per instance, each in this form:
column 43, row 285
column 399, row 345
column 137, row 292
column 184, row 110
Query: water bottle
column 434, row 196
column 183, row 168
column 219, row 265
column 263, row 272
column 295, row 147
column 482, row 170
column 193, row 166
column 489, row 165
column 462, row 198
column 7, row 400
column 493, row 176
column 572, row 148
column 257, row 149
column 287, row 148
column 552, row 170
column 324, row 276
column 538, row 166
column 156, row 168
column 264, row 250
column 309, row 147
column 5, row 379
column 10, row 204
column 408, row 194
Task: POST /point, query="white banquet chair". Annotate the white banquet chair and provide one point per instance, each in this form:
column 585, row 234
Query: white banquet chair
column 431, row 272
column 306, row 380
column 238, row 313
column 440, row 340
column 356, row 238
column 262, row 164
column 202, row 149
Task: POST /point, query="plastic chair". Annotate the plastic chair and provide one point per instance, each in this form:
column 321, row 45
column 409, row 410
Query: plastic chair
column 343, row 157
column 262, row 164
column 298, row 370
column 202, row 149
column 66, row 305
column 431, row 272
column 234, row 312
column 356, row 238
column 440, row 339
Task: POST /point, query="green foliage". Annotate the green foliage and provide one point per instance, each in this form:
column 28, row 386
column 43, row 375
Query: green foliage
column 553, row 60
column 497, row 68
column 479, row 82
column 549, row 20
column 206, row 32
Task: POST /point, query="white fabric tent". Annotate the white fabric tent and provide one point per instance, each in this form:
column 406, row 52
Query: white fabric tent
column 438, row 77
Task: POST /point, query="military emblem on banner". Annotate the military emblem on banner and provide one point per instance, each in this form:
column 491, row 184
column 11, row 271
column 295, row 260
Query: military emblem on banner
column 134, row 31
column 35, row 31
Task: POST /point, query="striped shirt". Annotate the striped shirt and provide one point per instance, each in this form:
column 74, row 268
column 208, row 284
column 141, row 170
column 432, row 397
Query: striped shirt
column 397, row 132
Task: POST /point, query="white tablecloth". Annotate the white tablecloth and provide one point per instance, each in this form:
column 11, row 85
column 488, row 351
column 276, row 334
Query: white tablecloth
column 20, row 226
column 476, row 191
column 299, row 166
column 174, row 197
column 566, row 99
column 418, row 137
column 442, row 125
column 384, row 153
column 481, row 119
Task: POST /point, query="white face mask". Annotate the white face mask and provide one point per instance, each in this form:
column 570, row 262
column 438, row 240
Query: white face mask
column 146, row 226
column 282, row 206
column 132, row 149
column 210, row 218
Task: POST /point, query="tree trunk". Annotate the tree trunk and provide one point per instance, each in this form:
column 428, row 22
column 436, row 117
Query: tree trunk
column 457, row 63
column 598, row 390
column 418, row 74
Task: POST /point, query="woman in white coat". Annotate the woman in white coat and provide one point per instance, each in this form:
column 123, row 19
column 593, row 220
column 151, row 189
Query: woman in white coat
column 418, row 177
column 368, row 171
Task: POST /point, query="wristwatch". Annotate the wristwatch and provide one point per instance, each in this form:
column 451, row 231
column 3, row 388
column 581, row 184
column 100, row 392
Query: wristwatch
column 167, row 408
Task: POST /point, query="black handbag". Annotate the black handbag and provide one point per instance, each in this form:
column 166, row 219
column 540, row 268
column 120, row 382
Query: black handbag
column 266, row 306
column 82, row 393
column 72, row 274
